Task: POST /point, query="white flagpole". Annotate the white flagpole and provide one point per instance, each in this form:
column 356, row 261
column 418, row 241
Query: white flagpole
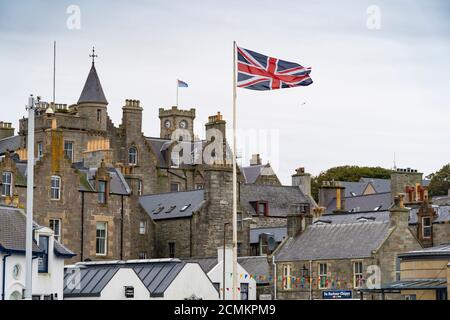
column 177, row 92
column 234, row 179
column 30, row 184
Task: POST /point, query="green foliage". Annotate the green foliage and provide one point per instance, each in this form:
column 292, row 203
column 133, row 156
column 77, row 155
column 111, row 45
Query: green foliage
column 347, row 173
column 440, row 182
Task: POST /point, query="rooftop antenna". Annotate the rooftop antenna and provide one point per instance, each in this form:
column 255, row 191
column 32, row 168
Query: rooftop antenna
column 395, row 163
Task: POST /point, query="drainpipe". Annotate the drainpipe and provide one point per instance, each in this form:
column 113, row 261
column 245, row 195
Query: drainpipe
column 82, row 226
column 121, row 229
column 4, row 275
column 274, row 278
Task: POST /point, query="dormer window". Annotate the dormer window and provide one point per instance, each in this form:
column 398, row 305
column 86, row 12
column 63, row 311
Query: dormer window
column 102, row 192
column 263, row 208
column 132, row 156
column 426, row 227
column 7, row 184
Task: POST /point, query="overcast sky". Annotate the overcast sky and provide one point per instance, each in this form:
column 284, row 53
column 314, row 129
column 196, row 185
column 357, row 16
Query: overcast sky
column 375, row 91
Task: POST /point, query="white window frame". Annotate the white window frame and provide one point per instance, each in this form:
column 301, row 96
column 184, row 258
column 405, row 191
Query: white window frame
column 40, row 150
column 358, row 275
column 104, row 199
column 56, row 231
column 101, row 238
column 429, row 226
column 7, row 186
column 175, row 159
column 133, row 157
column 322, row 272
column 286, row 269
column 67, row 149
column 55, row 190
column 143, row 227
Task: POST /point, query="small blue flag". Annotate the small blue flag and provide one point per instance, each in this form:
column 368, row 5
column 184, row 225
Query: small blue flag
column 182, row 84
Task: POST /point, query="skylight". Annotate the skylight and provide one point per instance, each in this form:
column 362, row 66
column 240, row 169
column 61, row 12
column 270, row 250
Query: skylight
column 185, row 207
column 158, row 210
column 377, row 208
column 170, row 209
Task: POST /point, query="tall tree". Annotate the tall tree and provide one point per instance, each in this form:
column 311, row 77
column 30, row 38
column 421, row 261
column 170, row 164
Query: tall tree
column 440, row 182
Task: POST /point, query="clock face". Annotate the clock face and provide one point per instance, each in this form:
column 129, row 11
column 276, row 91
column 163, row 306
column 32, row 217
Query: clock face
column 16, row 271
column 183, row 124
column 167, row 124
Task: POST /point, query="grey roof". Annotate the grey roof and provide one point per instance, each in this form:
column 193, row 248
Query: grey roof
column 352, row 217
column 443, row 214
column 157, row 145
column 252, row 173
column 335, row 241
column 13, row 233
column 170, row 205
column 92, row 90
column 156, row 276
column 257, row 266
column 207, row 264
column 279, row 198
column 10, row 143
column 411, row 284
column 380, row 185
column 356, row 188
column 441, row 250
column 363, row 203
column 117, row 184
column 279, row 233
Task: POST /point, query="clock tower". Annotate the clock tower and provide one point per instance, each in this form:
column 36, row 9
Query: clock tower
column 174, row 118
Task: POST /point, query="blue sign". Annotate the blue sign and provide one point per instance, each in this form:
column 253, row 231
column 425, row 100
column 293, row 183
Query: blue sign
column 337, row 294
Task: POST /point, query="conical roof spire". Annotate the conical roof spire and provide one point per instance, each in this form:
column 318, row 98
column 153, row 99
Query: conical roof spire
column 92, row 90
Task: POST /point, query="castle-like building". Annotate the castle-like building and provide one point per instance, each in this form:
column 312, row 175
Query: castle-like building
column 110, row 192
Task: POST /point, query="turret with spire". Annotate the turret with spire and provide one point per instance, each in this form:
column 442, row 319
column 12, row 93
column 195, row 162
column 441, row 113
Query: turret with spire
column 92, row 103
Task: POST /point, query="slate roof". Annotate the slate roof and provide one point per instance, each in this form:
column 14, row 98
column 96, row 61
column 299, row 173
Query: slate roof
column 335, row 241
column 279, row 233
column 10, row 143
column 92, row 90
column 352, row 217
column 251, row 173
column 155, row 275
column 279, row 198
column 356, row 188
column 169, row 205
column 13, row 233
column 380, row 185
column 443, row 214
column 257, row 265
column 363, row 203
column 207, row 264
column 118, row 184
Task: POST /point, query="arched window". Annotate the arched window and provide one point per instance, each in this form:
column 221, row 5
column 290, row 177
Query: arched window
column 132, row 156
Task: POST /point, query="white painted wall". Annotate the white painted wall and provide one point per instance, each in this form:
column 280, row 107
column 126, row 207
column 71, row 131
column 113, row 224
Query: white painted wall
column 115, row 289
column 216, row 275
column 191, row 281
column 43, row 283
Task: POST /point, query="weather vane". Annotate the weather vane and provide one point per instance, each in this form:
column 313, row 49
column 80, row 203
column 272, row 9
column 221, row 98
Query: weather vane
column 93, row 55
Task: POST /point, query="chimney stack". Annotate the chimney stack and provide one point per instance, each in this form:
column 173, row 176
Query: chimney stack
column 302, row 180
column 399, row 214
column 330, row 190
column 255, row 160
column 298, row 220
column 6, row 130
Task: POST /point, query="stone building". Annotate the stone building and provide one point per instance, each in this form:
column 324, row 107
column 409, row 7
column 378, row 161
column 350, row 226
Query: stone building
column 341, row 252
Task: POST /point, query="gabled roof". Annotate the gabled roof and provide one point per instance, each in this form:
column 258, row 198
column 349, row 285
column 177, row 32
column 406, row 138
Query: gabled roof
column 380, row 185
column 92, row 90
column 11, row 143
column 118, row 184
column 13, row 233
column 173, row 205
column 335, row 241
column 363, row 203
column 437, row 251
column 442, row 212
column 94, row 277
column 257, row 266
column 279, row 198
column 252, row 173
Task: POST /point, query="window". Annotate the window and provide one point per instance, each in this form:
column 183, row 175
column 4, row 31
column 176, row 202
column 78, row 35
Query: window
column 7, row 184
column 239, row 220
column 142, row 255
column 99, row 115
column 101, row 238
column 410, row 297
column 244, row 291
column 139, row 187
column 175, row 158
column 262, row 208
column 56, row 188
column 143, row 227
column 184, row 208
column 68, row 149
column 171, row 249
column 40, row 150
column 199, row 186
column 174, row 187
column 55, row 225
column 102, row 192
column 43, row 261
column 357, row 274
column 132, row 156
column 239, row 249
column 286, row 277
column 426, row 227
column 323, row 275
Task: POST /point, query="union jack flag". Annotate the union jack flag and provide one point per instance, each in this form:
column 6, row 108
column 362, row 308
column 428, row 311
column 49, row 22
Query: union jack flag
column 259, row 72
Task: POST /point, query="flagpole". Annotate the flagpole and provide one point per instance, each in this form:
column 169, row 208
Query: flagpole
column 234, row 179
column 177, row 92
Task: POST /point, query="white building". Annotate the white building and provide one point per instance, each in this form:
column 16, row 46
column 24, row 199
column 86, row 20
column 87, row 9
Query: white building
column 159, row 279
column 48, row 265
column 214, row 268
